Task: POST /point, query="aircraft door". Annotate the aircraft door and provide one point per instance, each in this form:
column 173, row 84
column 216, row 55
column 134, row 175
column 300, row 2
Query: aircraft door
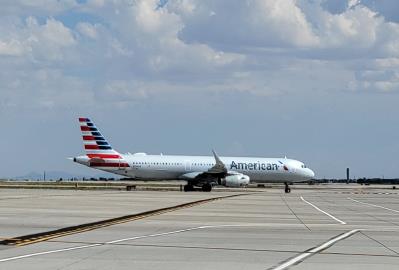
column 187, row 165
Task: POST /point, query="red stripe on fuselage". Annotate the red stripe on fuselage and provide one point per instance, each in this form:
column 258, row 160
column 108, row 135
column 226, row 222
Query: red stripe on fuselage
column 88, row 138
column 103, row 156
column 113, row 165
column 83, row 119
column 91, row 146
column 84, row 128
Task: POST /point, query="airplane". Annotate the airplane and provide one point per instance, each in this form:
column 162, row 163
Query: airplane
column 198, row 171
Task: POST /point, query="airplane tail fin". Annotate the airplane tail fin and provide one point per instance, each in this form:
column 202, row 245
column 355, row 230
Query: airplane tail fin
column 99, row 152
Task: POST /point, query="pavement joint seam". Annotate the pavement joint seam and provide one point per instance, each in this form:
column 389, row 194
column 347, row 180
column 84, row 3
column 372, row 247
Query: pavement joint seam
column 292, row 211
column 379, row 242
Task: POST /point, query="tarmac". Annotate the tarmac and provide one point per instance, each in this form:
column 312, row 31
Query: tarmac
column 352, row 227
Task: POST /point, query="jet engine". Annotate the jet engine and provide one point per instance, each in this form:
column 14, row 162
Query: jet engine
column 235, row 180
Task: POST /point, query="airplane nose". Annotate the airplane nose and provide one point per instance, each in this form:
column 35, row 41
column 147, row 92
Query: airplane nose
column 310, row 173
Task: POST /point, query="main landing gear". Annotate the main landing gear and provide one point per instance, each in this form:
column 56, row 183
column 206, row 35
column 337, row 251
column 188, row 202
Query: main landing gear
column 188, row 188
column 205, row 188
column 287, row 189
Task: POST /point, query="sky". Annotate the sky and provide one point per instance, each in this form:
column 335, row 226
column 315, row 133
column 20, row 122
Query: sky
column 313, row 80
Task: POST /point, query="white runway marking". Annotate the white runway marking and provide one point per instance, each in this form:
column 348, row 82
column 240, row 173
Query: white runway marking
column 168, row 233
column 47, row 252
column 313, row 251
column 324, row 212
column 370, row 204
column 112, row 242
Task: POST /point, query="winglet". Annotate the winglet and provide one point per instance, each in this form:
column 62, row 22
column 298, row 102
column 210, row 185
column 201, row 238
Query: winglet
column 216, row 157
column 219, row 166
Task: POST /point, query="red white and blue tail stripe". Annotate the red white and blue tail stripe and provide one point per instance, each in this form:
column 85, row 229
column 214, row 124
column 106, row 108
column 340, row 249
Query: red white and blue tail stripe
column 98, row 150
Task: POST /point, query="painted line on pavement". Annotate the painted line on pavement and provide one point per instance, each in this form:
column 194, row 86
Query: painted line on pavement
column 301, row 257
column 324, row 212
column 370, row 204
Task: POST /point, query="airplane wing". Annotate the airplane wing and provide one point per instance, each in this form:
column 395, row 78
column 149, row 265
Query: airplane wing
column 219, row 170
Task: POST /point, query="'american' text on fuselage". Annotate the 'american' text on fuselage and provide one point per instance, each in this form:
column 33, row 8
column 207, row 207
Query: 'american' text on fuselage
column 256, row 166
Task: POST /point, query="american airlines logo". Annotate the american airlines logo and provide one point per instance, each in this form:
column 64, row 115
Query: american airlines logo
column 256, row 166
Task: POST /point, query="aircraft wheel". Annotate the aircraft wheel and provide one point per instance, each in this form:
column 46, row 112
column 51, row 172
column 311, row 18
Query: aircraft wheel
column 188, row 188
column 206, row 187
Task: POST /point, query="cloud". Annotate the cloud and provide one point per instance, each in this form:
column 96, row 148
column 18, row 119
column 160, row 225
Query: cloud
column 40, row 41
column 11, row 48
column 87, row 30
column 246, row 24
column 302, row 27
column 122, row 51
column 36, row 7
column 353, row 3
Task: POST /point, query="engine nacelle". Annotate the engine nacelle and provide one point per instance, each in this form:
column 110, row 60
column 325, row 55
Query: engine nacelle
column 236, row 180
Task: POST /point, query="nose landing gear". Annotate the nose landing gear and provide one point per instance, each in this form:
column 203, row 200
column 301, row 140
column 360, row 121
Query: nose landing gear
column 287, row 189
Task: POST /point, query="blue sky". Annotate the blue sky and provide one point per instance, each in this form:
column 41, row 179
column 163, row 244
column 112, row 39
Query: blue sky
column 313, row 80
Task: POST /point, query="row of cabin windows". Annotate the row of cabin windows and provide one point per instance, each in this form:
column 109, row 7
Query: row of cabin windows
column 157, row 163
column 171, row 163
column 201, row 164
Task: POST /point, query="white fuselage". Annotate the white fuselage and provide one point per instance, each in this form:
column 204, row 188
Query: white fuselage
column 167, row 167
